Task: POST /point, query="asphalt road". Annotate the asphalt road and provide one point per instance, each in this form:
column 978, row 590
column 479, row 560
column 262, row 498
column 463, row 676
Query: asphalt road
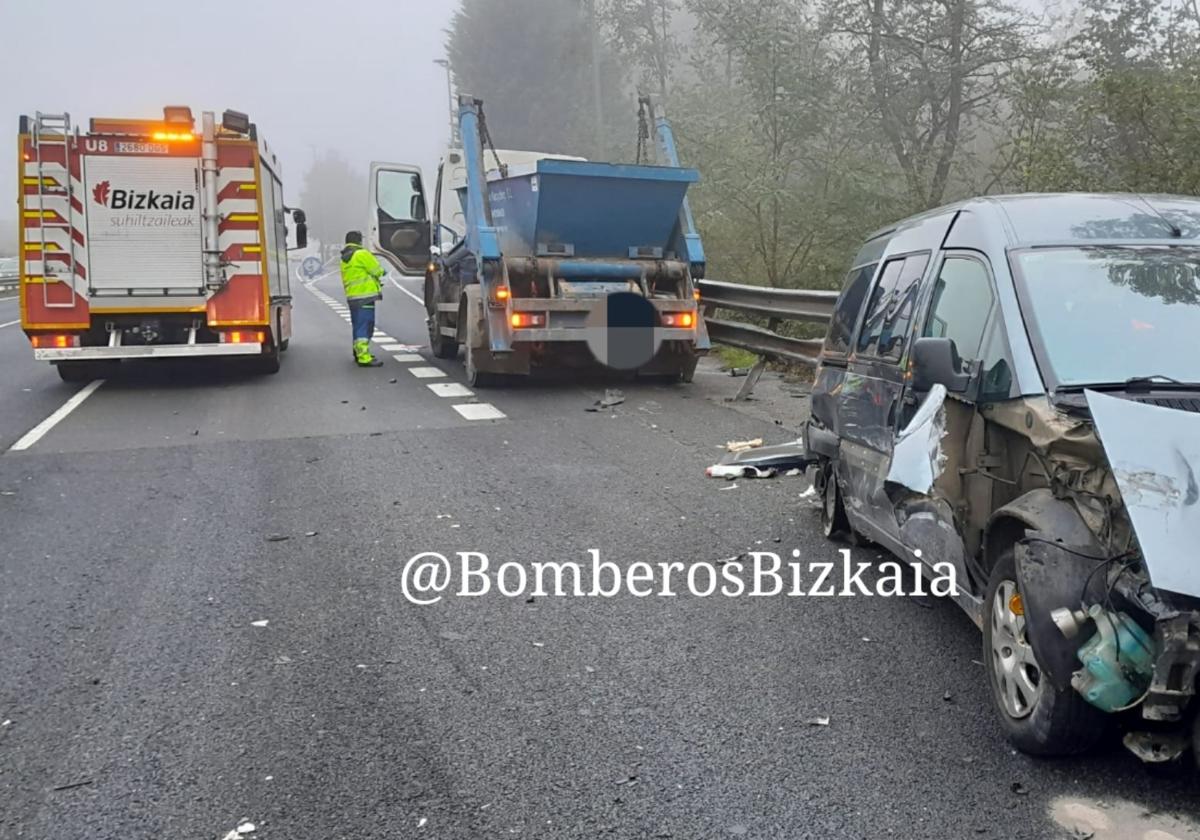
column 141, row 696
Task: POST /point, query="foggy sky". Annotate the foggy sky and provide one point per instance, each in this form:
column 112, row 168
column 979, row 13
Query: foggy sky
column 357, row 77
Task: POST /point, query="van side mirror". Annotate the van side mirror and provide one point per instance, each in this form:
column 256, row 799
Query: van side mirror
column 935, row 361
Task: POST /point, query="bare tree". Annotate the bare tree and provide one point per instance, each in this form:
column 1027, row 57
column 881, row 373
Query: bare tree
column 642, row 30
column 935, row 66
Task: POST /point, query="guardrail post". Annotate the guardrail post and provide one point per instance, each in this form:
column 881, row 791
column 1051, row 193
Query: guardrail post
column 756, row 372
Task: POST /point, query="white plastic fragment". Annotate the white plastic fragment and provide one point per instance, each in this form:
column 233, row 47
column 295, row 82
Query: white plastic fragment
column 246, row 828
column 743, row 445
column 917, row 457
column 260, row 623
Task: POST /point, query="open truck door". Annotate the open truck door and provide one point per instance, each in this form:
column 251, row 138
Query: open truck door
column 398, row 227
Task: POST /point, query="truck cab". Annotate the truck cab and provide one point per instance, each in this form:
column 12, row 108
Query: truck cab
column 400, row 227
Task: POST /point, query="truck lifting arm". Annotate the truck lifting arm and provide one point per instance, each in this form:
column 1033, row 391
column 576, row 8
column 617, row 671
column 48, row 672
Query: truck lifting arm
column 691, row 247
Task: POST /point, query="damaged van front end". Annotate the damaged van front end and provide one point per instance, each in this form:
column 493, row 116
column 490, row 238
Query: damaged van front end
column 1116, row 617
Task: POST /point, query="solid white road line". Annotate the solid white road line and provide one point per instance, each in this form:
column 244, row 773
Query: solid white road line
column 9, row 323
column 426, row 372
column 408, row 358
column 479, row 411
column 39, row 431
column 449, row 389
column 396, row 283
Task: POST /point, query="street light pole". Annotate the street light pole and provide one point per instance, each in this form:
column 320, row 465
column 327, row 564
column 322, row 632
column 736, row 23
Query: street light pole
column 441, row 62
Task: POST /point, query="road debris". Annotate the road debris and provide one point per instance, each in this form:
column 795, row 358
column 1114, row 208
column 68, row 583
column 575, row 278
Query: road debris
column 1019, row 789
column 612, row 397
column 821, row 720
column 739, row 371
column 743, row 445
column 262, row 622
column 73, row 785
column 311, row 533
column 277, row 537
column 732, row 471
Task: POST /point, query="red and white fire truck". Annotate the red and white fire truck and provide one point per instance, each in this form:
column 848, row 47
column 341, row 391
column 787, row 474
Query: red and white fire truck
column 148, row 238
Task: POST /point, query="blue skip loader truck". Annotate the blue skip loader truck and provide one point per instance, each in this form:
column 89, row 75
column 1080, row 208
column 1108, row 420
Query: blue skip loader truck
column 563, row 261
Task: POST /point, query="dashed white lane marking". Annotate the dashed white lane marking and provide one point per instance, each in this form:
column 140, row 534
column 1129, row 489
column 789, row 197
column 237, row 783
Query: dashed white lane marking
column 450, row 389
column 396, row 283
column 479, row 411
column 426, row 372
column 39, row 431
column 9, row 323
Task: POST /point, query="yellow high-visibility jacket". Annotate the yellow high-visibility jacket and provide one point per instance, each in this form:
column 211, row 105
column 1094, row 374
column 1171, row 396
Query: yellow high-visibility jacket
column 361, row 274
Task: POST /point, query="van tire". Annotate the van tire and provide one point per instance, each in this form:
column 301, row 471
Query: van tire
column 834, row 523
column 1058, row 722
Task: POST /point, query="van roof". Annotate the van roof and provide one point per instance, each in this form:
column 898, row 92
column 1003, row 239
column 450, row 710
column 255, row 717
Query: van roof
column 1062, row 218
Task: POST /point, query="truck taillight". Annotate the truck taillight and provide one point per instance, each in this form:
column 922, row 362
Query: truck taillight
column 682, row 320
column 55, row 340
column 244, row 337
column 527, row 319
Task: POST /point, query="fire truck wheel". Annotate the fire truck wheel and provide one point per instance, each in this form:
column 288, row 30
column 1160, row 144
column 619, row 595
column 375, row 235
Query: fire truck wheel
column 268, row 362
column 84, row 371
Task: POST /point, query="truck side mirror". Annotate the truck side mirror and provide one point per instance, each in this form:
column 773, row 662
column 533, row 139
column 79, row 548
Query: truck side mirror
column 935, row 361
column 301, row 220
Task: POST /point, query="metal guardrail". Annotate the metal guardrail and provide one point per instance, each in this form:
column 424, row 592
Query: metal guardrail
column 9, row 282
column 777, row 306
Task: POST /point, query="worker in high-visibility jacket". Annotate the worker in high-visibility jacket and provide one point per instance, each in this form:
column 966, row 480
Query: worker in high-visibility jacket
column 361, row 277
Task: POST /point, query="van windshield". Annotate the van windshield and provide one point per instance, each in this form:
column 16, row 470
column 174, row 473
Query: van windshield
column 1108, row 314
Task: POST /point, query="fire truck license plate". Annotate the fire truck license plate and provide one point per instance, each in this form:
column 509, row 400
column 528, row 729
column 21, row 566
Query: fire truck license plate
column 142, row 148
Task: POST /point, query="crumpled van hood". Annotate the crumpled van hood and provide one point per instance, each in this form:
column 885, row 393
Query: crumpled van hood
column 1154, row 453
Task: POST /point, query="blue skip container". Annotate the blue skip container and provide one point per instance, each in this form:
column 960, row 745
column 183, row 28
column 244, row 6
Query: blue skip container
column 570, row 208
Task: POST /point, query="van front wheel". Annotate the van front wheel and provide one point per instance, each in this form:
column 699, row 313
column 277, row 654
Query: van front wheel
column 1037, row 718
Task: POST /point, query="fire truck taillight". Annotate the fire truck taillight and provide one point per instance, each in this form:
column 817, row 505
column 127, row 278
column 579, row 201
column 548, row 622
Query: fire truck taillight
column 244, row 337
column 52, row 340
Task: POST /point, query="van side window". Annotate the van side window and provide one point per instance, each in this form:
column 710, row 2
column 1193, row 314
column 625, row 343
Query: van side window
column 849, row 305
column 962, row 301
column 892, row 306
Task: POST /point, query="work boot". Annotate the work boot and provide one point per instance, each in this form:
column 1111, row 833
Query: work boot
column 362, row 353
column 372, row 362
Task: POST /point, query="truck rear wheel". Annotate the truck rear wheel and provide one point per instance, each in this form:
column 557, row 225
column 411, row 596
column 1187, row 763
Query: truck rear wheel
column 477, row 378
column 443, row 347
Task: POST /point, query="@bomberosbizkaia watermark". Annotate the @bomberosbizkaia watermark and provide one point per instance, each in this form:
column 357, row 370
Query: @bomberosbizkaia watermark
column 429, row 576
